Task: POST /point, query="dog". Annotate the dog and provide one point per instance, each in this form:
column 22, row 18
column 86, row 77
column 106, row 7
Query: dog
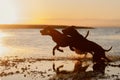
column 86, row 45
column 60, row 39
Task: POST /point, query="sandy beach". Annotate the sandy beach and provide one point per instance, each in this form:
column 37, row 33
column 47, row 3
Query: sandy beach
column 57, row 68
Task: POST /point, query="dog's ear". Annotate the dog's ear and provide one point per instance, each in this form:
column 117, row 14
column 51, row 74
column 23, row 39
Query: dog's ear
column 70, row 27
column 48, row 28
column 73, row 26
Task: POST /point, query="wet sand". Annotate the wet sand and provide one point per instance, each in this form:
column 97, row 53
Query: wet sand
column 57, row 68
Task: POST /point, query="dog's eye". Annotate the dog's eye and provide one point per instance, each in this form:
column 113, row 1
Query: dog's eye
column 48, row 31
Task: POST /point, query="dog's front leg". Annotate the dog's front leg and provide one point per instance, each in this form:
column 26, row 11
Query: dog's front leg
column 56, row 47
column 54, row 50
column 59, row 49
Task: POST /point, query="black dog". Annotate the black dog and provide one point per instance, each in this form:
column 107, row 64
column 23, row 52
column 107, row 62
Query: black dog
column 61, row 39
column 85, row 45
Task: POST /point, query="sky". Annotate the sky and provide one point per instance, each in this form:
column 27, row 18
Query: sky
column 61, row 12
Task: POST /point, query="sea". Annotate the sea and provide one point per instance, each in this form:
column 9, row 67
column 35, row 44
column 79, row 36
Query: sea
column 25, row 54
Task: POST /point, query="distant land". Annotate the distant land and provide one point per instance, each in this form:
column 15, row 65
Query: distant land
column 21, row 26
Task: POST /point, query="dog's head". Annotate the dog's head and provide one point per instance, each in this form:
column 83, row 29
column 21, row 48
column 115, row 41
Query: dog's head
column 69, row 31
column 46, row 31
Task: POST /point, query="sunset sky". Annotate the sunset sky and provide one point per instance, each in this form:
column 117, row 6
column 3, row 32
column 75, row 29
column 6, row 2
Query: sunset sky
column 61, row 12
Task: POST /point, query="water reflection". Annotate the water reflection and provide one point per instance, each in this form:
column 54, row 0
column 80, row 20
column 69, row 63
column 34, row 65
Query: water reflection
column 77, row 68
column 79, row 72
column 51, row 69
column 99, row 67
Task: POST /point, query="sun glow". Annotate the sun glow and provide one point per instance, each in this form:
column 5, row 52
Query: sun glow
column 3, row 49
column 8, row 13
column 2, row 35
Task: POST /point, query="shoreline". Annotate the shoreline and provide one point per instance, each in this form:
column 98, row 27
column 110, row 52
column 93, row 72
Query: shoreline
column 26, row 68
column 22, row 26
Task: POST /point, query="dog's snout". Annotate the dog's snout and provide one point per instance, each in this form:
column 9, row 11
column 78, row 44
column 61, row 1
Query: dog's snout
column 40, row 31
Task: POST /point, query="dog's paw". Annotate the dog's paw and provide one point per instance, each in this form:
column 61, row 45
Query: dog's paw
column 61, row 51
column 53, row 54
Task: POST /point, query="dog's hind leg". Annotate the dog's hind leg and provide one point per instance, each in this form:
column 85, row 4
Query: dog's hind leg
column 103, row 56
column 85, row 56
column 108, row 60
column 72, row 48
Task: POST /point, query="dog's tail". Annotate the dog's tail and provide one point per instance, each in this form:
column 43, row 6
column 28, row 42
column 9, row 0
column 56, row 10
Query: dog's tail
column 109, row 49
column 87, row 34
